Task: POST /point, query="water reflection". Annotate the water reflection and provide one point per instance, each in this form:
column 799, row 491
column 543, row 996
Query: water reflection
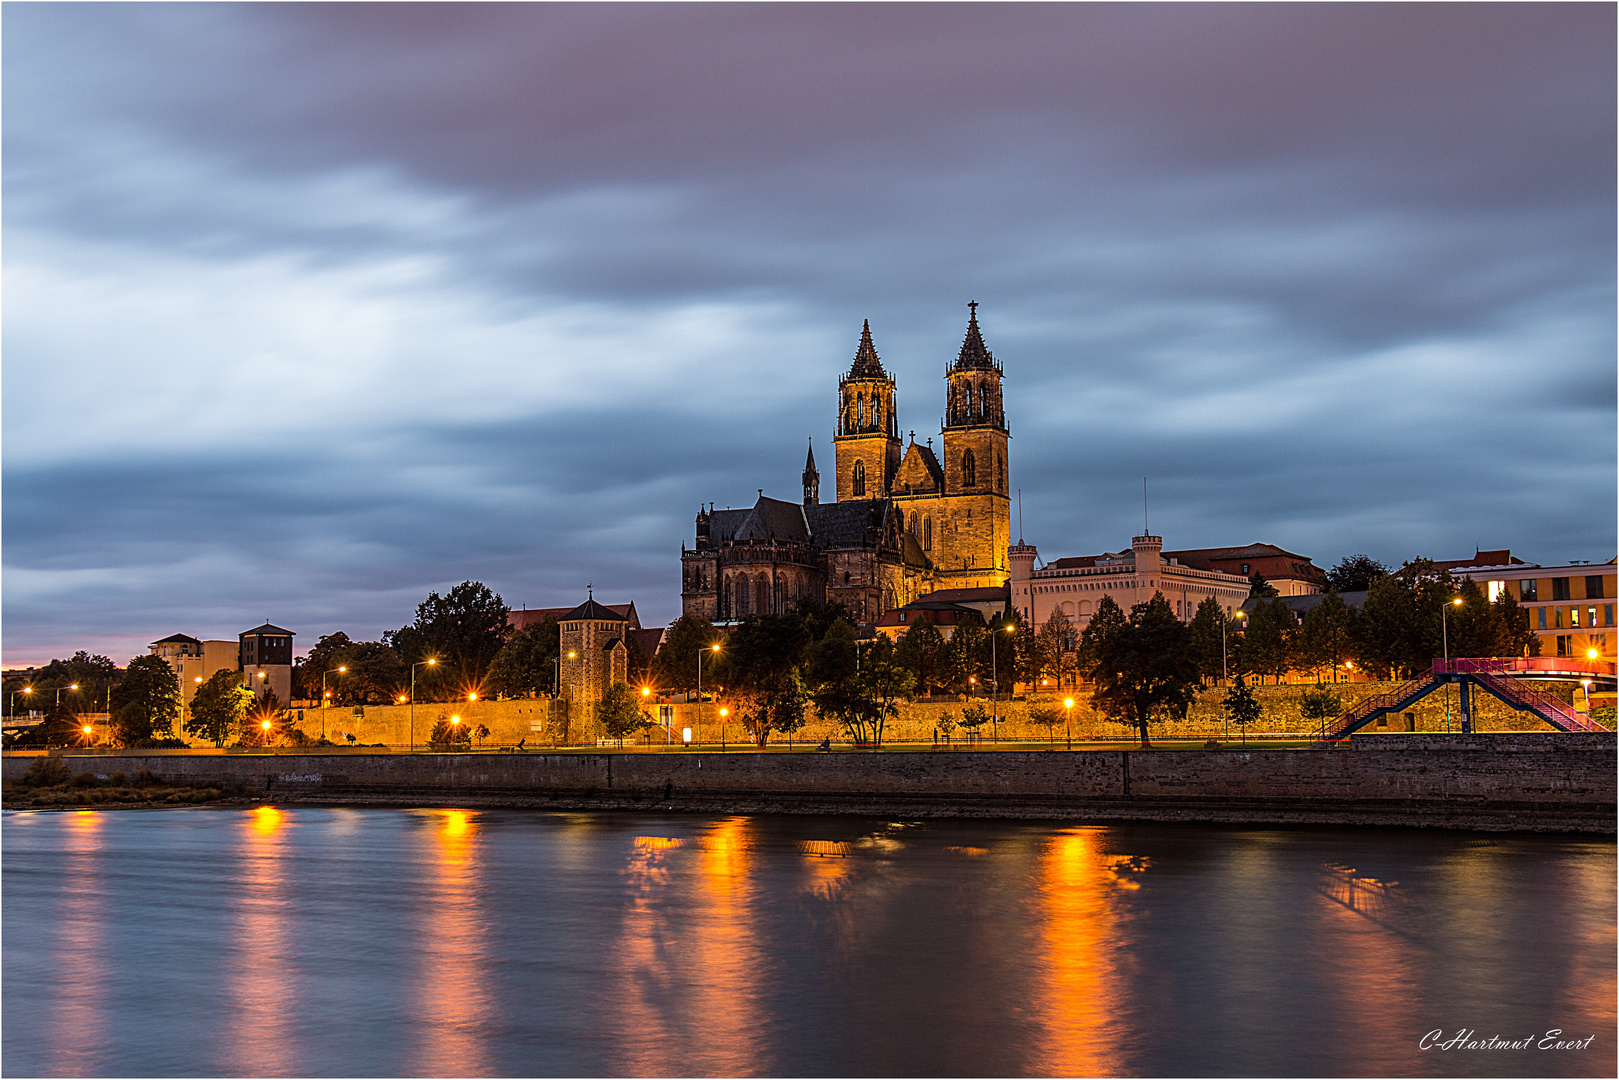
column 259, row 981
column 688, row 972
column 78, row 1019
column 453, row 1003
column 1079, row 991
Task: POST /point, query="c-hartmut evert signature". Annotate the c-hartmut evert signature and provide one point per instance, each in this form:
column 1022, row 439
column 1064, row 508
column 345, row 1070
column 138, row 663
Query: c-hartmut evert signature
column 1468, row 1039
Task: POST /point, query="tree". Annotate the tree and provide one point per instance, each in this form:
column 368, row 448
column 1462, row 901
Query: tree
column 1327, row 635
column 946, row 724
column 375, row 676
column 1047, row 718
column 447, row 735
column 674, row 668
column 463, row 630
column 1516, row 637
column 832, row 659
column 620, row 713
column 328, row 654
column 527, row 664
column 974, row 717
column 1389, row 643
column 1108, row 621
column 1208, row 639
column 1145, row 670
column 1259, row 587
column 1355, row 573
column 218, row 707
column 1241, row 708
column 759, row 668
column 967, row 657
column 922, row 651
column 861, row 700
column 1049, row 646
column 1267, row 640
column 1319, row 705
column 146, row 703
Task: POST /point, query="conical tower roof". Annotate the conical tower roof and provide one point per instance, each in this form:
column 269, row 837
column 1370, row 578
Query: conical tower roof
column 974, row 355
column 866, row 364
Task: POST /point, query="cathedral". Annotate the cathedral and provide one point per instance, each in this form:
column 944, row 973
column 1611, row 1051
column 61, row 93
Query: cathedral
column 906, row 521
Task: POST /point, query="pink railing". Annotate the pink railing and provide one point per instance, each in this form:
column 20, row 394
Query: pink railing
column 1510, row 665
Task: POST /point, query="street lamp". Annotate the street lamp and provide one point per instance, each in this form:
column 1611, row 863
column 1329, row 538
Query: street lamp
column 25, row 690
column 995, row 684
column 1444, row 637
column 699, row 725
column 429, row 662
column 1068, row 719
column 1225, row 676
column 325, row 694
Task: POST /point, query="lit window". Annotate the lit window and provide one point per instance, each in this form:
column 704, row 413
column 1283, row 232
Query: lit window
column 860, row 478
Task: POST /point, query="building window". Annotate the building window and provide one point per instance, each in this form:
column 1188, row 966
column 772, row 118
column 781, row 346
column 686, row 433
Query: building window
column 742, row 597
column 1557, row 618
column 1607, row 614
column 969, row 470
column 927, row 538
column 860, row 478
column 1593, row 587
column 1559, row 588
column 916, row 526
column 1542, row 618
column 1590, row 616
column 1574, row 617
column 1562, row 644
column 1245, row 568
column 1000, row 472
column 1529, row 590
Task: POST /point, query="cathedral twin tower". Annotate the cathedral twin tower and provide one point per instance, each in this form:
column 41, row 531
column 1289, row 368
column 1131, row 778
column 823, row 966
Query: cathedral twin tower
column 905, row 522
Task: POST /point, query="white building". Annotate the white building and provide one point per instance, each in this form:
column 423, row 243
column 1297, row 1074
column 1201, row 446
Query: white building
column 1074, row 586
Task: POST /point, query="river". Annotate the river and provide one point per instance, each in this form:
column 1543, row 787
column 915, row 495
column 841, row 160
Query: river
column 371, row 942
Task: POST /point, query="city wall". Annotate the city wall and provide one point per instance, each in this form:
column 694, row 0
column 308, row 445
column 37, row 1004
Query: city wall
column 1540, row 782
column 535, row 722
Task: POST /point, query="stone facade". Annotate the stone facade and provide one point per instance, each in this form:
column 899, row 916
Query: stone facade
column 594, row 655
column 904, row 522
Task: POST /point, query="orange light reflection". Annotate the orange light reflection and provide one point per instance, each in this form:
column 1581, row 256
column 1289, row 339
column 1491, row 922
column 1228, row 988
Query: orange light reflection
column 454, row 1002
column 260, row 1037
column 1079, row 987
column 78, row 1018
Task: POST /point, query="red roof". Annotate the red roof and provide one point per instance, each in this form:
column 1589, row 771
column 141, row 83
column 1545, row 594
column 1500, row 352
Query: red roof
column 523, row 619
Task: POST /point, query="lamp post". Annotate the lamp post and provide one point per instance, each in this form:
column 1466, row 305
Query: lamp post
column 324, row 695
column 1444, row 638
column 1068, row 719
column 26, row 690
column 429, row 662
column 995, row 684
column 699, row 725
column 1225, row 676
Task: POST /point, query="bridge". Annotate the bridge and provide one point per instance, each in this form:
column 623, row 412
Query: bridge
column 1507, row 679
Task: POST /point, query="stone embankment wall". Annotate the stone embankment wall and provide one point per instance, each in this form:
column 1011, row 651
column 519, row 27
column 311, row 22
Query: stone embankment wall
column 1549, row 782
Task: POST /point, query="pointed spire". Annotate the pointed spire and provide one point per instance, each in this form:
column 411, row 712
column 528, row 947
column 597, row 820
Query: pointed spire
column 812, row 478
column 974, row 354
column 866, row 364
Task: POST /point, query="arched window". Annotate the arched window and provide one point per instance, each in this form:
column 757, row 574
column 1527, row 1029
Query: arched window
column 781, row 594
column 859, row 478
column 859, row 410
column 763, row 594
column 915, row 525
column 1000, row 472
column 742, row 597
column 927, row 533
column 969, row 470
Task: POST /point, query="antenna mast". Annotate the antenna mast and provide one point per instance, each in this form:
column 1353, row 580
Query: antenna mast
column 1020, row 517
column 1145, row 530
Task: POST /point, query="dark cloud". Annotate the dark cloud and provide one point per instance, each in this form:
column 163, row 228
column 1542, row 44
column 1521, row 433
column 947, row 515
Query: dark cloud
column 320, row 306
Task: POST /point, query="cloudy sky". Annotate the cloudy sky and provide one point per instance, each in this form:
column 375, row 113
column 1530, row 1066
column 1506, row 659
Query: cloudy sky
column 311, row 309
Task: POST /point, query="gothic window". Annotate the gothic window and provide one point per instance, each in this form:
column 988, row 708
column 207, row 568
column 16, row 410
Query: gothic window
column 781, row 594
column 969, row 470
column 1000, row 472
column 730, row 599
column 762, row 595
column 915, row 527
column 859, row 410
column 859, row 478
column 927, row 534
column 742, row 597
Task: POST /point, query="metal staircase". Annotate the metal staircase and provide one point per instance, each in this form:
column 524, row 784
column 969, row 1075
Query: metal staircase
column 1364, row 712
column 1491, row 675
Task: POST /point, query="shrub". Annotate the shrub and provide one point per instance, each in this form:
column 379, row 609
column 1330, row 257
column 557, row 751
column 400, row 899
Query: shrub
column 45, row 772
